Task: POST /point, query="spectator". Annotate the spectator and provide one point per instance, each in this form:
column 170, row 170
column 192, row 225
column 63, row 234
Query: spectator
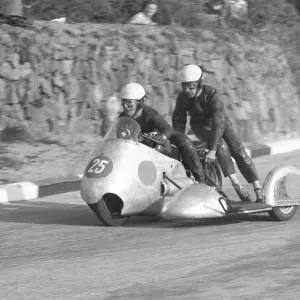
column 145, row 17
column 219, row 8
column 214, row 6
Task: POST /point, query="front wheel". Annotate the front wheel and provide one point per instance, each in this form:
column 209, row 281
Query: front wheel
column 108, row 210
column 282, row 213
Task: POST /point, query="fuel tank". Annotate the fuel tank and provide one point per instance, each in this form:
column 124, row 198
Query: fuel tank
column 197, row 201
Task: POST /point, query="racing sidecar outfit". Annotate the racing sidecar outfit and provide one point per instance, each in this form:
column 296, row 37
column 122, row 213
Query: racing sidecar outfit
column 209, row 122
column 150, row 120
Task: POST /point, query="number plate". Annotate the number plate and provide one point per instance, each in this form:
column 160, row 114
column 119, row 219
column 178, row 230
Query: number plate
column 99, row 167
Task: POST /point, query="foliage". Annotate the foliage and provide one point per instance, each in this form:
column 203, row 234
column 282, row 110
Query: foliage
column 276, row 20
column 11, row 7
column 185, row 13
column 110, row 11
column 278, row 12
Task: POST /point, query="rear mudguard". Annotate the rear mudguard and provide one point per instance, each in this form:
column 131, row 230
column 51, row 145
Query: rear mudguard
column 282, row 186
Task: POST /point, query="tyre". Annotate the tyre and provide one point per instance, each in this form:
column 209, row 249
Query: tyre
column 214, row 171
column 277, row 191
column 283, row 213
column 108, row 210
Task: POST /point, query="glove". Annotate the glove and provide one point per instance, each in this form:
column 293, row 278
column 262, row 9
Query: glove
column 164, row 142
column 210, row 156
column 160, row 138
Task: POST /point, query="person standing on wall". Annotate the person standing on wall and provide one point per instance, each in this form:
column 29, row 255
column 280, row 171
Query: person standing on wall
column 145, row 17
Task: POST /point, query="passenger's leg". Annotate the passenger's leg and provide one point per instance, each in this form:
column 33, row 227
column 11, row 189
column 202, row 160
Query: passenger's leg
column 243, row 160
column 225, row 161
column 189, row 155
column 223, row 151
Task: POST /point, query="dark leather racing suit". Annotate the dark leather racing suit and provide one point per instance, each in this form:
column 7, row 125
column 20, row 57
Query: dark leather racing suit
column 209, row 122
column 150, row 120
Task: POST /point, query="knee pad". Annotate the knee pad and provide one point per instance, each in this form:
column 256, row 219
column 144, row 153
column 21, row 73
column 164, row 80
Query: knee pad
column 247, row 158
column 244, row 156
column 224, row 150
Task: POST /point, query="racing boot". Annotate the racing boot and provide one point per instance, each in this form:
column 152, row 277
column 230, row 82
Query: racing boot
column 259, row 195
column 242, row 193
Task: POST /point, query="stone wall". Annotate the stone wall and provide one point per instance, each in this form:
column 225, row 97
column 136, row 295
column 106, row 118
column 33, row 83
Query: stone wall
column 67, row 78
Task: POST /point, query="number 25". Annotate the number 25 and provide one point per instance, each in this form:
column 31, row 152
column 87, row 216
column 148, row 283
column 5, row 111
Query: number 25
column 99, row 163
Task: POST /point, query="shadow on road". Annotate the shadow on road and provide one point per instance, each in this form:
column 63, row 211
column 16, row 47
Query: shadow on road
column 38, row 212
column 157, row 222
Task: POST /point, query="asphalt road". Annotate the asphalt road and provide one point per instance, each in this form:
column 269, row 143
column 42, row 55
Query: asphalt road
column 55, row 248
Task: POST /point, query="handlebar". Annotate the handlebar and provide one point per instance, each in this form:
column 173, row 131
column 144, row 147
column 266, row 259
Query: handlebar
column 148, row 136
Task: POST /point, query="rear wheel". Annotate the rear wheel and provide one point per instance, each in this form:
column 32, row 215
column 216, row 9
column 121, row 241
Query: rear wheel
column 283, row 213
column 108, row 210
column 214, row 172
column 212, row 169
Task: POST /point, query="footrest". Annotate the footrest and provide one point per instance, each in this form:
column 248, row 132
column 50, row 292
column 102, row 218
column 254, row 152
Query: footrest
column 249, row 207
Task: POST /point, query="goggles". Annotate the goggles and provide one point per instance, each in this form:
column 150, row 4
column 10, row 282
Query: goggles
column 189, row 85
column 129, row 101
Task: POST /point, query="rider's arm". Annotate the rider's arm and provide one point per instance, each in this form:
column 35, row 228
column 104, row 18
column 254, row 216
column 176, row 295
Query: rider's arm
column 218, row 120
column 159, row 123
column 179, row 116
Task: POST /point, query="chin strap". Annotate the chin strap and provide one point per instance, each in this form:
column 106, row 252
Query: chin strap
column 200, row 83
column 139, row 109
column 138, row 113
column 198, row 90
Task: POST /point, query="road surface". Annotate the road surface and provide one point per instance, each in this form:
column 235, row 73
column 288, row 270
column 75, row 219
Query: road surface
column 55, row 248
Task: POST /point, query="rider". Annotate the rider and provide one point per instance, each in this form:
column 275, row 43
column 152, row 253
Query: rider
column 209, row 122
column 133, row 96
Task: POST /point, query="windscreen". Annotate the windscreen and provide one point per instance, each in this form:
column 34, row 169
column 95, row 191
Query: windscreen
column 125, row 128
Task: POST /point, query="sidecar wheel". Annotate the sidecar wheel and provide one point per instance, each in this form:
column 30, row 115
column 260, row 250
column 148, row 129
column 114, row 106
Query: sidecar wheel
column 214, row 170
column 108, row 210
column 282, row 213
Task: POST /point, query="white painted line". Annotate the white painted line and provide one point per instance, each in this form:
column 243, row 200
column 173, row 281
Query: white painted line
column 12, row 203
column 285, row 146
column 29, row 189
column 80, row 176
column 3, row 196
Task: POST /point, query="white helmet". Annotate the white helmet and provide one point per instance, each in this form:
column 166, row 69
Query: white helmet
column 133, row 90
column 191, row 73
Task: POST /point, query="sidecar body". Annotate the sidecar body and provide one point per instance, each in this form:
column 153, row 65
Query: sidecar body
column 125, row 178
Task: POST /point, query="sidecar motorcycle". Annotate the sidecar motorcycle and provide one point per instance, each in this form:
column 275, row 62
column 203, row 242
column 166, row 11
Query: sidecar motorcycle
column 130, row 174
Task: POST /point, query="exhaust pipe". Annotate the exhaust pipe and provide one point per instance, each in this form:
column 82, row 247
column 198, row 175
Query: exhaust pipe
column 169, row 189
